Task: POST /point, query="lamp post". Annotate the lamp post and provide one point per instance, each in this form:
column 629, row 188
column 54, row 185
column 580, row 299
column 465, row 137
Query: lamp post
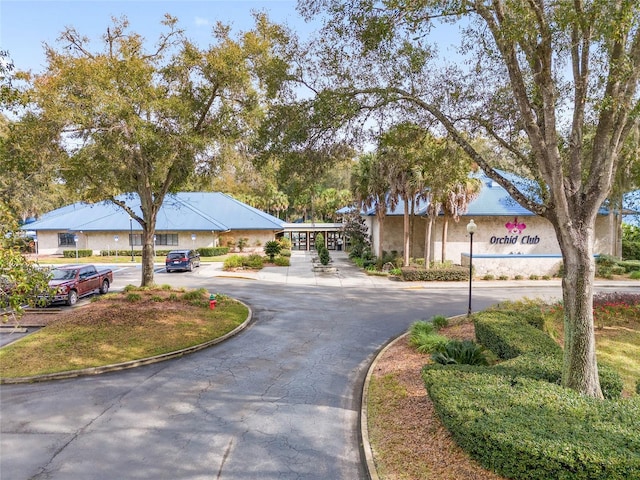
column 35, row 241
column 193, row 240
column 471, row 229
column 75, row 240
column 115, row 239
column 131, row 237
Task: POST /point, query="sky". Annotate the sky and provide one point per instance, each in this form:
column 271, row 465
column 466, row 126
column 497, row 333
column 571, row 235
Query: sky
column 25, row 25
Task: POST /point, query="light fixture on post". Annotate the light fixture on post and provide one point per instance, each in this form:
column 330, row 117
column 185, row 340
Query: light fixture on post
column 471, row 229
column 193, row 240
column 115, row 239
column 75, row 240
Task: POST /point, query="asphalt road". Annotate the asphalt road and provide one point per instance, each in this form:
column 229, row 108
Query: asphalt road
column 281, row 400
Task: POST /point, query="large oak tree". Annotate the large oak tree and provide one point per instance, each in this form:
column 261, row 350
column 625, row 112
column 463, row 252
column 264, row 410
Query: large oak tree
column 554, row 84
column 137, row 118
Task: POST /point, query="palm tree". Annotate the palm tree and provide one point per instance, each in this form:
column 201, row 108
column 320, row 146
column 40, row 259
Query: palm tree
column 369, row 185
column 455, row 203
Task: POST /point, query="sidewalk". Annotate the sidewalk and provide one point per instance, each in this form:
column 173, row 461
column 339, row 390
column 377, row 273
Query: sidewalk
column 300, row 272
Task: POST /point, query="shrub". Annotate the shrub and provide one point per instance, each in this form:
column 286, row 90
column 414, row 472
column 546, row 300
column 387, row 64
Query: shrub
column 548, row 368
column 630, row 250
column 133, row 297
column 272, row 248
column 518, row 277
column 423, row 338
column 324, row 256
column 285, row 243
column 457, row 352
column 508, row 336
column 524, row 428
column 198, row 294
column 282, row 261
column 243, row 242
column 253, row 261
column 450, row 274
column 213, row 251
column 534, row 277
column 319, row 242
column 488, row 276
column 503, row 277
column 630, row 265
column 81, row 253
column 635, row 275
column 439, row 321
column 232, row 261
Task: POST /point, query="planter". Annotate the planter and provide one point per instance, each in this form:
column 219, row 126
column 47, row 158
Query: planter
column 318, row 267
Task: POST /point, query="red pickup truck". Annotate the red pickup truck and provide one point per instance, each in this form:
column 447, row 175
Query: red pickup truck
column 75, row 281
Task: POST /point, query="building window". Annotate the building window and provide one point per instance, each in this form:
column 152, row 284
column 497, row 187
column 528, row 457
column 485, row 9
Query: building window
column 66, row 240
column 167, row 239
column 135, row 240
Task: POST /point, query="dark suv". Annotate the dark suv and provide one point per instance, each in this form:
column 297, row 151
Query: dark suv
column 182, row 260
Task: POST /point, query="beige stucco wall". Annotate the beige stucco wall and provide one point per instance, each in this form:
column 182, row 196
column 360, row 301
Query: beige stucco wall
column 97, row 241
column 536, row 236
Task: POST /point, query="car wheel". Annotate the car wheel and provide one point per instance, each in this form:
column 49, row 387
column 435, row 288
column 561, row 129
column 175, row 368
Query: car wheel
column 168, row 271
column 105, row 287
column 190, row 267
column 72, row 298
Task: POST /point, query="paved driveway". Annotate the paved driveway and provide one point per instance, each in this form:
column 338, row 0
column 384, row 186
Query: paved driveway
column 279, row 401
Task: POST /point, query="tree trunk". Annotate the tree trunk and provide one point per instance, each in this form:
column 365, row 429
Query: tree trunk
column 445, row 228
column 580, row 368
column 147, row 257
column 380, row 233
column 407, row 239
column 427, row 243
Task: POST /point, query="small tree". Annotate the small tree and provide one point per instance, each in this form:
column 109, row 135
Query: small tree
column 272, row 248
column 22, row 282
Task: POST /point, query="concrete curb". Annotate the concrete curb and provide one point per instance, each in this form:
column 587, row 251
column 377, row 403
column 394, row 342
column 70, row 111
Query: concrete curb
column 132, row 363
column 364, row 427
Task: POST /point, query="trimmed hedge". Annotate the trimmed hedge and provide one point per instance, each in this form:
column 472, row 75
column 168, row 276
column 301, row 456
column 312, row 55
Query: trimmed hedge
column 548, row 368
column 454, row 273
column 530, row 429
column 509, row 336
column 213, row 251
column 72, row 253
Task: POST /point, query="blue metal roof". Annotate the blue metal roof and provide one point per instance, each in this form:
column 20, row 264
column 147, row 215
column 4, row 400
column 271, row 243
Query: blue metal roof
column 493, row 200
column 192, row 211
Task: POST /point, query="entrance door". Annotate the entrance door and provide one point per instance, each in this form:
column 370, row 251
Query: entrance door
column 332, row 240
column 299, row 240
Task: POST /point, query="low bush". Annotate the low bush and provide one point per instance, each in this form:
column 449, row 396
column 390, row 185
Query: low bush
column 454, row 273
column 253, row 261
column 634, row 275
column 213, row 251
column 272, row 248
column 285, row 243
column 423, row 337
column 324, row 256
column 548, row 368
column 232, row 261
column 439, row 321
column 80, row 253
column 281, row 261
column 508, row 335
column 524, row 428
column 460, row 352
